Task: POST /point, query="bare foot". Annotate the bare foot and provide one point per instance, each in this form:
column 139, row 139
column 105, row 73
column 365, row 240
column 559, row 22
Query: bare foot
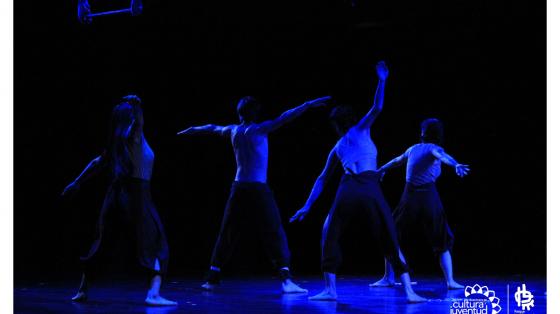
column 289, row 286
column 384, row 282
column 157, row 300
column 324, row 296
column 80, row 297
column 453, row 285
column 414, row 298
column 209, row 286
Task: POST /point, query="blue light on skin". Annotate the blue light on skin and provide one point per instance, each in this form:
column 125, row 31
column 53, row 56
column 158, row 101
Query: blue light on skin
column 431, row 132
column 361, row 130
column 249, row 139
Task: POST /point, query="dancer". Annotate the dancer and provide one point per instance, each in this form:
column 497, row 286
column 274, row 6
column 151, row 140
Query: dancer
column 359, row 195
column 420, row 203
column 130, row 160
column 251, row 203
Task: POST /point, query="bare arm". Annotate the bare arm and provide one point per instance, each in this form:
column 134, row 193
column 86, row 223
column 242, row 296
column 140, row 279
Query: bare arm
column 395, row 162
column 91, row 169
column 318, row 187
column 208, row 129
column 290, row 115
column 369, row 118
column 460, row 169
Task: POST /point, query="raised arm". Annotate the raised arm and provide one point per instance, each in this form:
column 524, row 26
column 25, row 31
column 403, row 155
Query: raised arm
column 208, row 129
column 382, row 74
column 318, row 187
column 290, row 115
column 460, row 169
column 91, row 169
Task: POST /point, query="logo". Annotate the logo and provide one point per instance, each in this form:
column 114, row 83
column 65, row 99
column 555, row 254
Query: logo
column 524, row 299
column 478, row 300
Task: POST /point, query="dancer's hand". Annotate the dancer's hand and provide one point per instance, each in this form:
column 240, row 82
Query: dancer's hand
column 462, row 170
column 300, row 214
column 188, row 131
column 84, row 11
column 319, row 102
column 382, row 70
column 71, row 188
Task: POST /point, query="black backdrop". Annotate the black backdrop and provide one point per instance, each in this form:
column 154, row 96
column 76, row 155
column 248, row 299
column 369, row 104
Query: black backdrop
column 477, row 65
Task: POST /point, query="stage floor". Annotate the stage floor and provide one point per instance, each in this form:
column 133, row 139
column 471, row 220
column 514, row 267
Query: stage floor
column 261, row 295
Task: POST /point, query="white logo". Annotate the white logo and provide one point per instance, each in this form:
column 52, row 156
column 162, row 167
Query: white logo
column 476, row 301
column 524, row 298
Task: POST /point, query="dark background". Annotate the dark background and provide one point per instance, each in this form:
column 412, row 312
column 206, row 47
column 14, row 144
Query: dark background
column 477, row 65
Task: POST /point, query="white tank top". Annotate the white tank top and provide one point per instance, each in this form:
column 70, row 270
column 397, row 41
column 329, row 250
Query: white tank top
column 355, row 145
column 422, row 166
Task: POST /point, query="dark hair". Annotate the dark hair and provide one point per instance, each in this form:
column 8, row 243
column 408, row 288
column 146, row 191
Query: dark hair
column 117, row 149
column 343, row 118
column 432, row 131
column 248, row 109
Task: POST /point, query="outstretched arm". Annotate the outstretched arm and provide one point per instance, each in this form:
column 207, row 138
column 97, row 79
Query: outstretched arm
column 207, row 129
column 91, row 169
column 397, row 161
column 318, row 187
column 382, row 74
column 460, row 169
column 290, row 115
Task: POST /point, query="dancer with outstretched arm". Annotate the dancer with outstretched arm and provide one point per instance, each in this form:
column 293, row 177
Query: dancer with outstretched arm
column 420, row 203
column 251, row 203
column 130, row 160
column 359, row 195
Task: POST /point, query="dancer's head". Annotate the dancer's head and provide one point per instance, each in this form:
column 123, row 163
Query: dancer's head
column 124, row 114
column 248, row 109
column 343, row 118
column 432, row 131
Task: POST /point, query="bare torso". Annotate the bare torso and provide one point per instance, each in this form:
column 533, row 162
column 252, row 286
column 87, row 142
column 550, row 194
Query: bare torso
column 251, row 153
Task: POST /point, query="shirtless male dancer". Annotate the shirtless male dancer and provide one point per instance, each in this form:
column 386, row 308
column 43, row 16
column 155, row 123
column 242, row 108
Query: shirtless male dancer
column 251, row 203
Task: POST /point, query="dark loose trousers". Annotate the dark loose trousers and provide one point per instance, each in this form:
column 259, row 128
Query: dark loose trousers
column 421, row 205
column 251, row 206
column 130, row 199
column 360, row 197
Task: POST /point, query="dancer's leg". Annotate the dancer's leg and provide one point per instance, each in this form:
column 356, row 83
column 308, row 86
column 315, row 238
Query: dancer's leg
column 388, row 279
column 228, row 237
column 446, row 264
column 438, row 232
column 108, row 203
column 329, row 294
column 331, row 252
column 142, row 220
column 81, row 295
column 382, row 220
column 153, row 298
column 269, row 223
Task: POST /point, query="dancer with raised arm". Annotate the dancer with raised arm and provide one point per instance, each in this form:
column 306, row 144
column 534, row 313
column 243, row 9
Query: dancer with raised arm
column 251, row 204
column 130, row 159
column 359, row 195
column 420, row 203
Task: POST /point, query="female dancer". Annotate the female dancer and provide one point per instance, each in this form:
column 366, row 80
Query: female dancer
column 130, row 160
column 251, row 203
column 359, row 194
column 420, row 202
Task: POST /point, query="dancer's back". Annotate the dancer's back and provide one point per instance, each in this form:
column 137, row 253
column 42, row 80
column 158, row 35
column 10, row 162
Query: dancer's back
column 251, row 153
